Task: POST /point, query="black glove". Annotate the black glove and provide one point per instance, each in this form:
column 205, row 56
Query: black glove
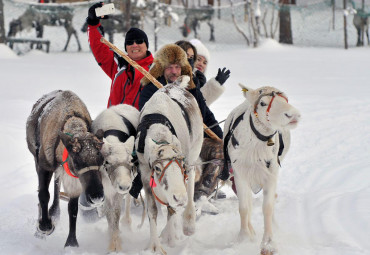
column 92, row 19
column 201, row 78
column 223, row 75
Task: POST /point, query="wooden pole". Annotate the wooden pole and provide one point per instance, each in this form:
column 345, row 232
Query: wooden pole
column 156, row 83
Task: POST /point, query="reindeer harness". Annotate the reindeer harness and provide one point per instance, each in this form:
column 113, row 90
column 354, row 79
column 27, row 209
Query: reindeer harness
column 122, row 136
column 179, row 162
column 65, row 165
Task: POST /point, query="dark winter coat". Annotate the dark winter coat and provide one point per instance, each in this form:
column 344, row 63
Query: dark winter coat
column 199, row 79
column 208, row 117
column 125, row 86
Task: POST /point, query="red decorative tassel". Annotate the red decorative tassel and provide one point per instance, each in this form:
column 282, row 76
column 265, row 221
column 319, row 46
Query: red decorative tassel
column 152, row 182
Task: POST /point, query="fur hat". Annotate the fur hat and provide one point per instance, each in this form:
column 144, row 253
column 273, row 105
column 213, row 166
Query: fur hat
column 168, row 55
column 201, row 49
column 135, row 34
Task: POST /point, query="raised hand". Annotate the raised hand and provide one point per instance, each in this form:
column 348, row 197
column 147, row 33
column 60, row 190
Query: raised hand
column 222, row 75
column 92, row 19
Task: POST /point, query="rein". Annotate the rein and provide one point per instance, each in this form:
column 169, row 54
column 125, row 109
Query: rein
column 152, row 181
column 217, row 162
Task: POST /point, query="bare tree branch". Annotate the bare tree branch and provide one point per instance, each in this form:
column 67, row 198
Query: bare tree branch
column 236, row 24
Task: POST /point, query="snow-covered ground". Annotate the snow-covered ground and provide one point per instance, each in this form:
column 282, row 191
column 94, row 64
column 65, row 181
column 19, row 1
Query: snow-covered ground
column 323, row 205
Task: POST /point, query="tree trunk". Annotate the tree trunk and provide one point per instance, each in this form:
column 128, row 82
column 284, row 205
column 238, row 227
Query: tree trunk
column 345, row 24
column 364, row 26
column 285, row 32
column 2, row 24
column 236, row 23
column 333, row 9
column 127, row 15
column 254, row 24
column 155, row 29
column 219, row 9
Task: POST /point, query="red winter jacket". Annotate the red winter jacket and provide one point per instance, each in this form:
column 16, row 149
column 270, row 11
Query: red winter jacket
column 125, row 87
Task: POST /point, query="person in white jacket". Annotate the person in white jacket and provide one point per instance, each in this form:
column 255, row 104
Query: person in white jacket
column 213, row 88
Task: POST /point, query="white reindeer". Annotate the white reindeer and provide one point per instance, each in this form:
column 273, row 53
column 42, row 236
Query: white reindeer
column 119, row 125
column 169, row 141
column 257, row 139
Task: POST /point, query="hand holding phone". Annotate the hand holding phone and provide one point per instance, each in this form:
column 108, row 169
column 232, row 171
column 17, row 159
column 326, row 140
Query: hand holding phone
column 106, row 9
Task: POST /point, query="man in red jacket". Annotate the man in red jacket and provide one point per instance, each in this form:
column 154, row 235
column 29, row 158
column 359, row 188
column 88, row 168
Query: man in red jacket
column 125, row 86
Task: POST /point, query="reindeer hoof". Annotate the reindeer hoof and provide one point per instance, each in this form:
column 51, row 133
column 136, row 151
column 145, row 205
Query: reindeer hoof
column 157, row 248
column 42, row 233
column 115, row 243
column 268, row 247
column 188, row 230
column 267, row 252
column 71, row 242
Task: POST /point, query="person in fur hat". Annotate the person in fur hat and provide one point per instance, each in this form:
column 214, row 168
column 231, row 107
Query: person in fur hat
column 213, row 88
column 125, row 85
column 170, row 62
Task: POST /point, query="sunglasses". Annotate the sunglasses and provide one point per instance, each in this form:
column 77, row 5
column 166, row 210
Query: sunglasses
column 138, row 41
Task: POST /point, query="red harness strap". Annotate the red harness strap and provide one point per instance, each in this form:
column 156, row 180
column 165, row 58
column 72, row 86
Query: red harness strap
column 269, row 106
column 65, row 163
column 153, row 184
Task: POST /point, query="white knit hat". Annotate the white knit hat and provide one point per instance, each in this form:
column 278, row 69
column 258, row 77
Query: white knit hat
column 201, row 49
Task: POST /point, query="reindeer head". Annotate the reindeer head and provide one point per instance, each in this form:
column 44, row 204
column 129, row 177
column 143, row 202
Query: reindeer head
column 15, row 26
column 168, row 174
column 118, row 163
column 85, row 161
column 271, row 107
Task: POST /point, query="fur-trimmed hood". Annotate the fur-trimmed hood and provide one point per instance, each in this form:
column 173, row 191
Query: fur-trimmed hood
column 167, row 55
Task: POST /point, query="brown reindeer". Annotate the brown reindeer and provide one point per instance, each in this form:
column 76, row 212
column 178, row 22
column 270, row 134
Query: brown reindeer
column 206, row 181
column 60, row 123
